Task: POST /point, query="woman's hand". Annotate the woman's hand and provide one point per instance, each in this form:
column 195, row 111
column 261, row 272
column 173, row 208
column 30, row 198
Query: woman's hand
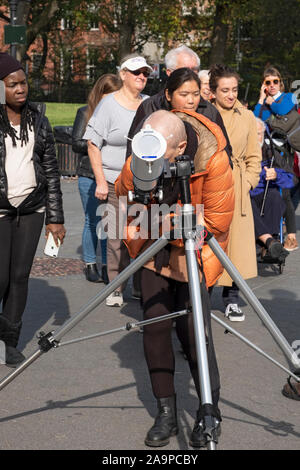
column 58, row 231
column 269, row 100
column 101, row 190
column 263, row 94
column 270, row 173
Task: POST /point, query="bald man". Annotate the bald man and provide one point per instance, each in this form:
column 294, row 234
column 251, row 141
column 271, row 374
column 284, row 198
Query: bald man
column 172, row 129
column 164, row 278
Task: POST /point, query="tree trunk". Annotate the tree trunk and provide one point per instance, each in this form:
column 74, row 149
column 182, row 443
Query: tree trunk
column 39, row 26
column 126, row 39
column 219, row 37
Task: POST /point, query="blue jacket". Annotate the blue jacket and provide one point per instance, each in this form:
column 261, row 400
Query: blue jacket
column 284, row 180
column 282, row 105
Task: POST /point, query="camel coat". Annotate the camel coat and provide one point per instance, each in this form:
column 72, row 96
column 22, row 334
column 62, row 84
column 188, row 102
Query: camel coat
column 241, row 127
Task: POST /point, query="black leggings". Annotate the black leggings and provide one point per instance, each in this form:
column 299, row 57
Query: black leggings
column 160, row 296
column 19, row 238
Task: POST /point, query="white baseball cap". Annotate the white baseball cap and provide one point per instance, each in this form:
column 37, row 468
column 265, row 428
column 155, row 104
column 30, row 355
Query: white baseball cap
column 135, row 63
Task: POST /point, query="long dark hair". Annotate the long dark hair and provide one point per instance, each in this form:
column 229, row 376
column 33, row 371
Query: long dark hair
column 219, row 71
column 105, row 84
column 179, row 77
column 27, row 122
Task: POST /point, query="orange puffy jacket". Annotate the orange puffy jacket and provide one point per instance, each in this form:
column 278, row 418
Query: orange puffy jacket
column 211, row 185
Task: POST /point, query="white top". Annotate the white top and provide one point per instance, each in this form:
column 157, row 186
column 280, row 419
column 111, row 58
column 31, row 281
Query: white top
column 19, row 168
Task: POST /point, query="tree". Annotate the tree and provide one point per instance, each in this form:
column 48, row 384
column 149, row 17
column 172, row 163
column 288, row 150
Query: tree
column 39, row 17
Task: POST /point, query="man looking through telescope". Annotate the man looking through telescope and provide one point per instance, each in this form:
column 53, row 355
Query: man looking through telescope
column 164, row 279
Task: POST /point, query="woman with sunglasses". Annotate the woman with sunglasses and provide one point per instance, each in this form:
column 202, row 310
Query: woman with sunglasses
column 273, row 100
column 106, row 135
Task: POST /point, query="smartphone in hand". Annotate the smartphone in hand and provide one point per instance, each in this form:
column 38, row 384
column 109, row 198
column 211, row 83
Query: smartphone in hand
column 51, row 249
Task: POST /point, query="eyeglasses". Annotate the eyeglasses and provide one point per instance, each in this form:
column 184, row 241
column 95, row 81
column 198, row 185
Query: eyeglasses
column 269, row 82
column 146, row 73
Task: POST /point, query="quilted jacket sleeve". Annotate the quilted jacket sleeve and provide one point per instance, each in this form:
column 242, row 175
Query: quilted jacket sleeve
column 218, row 201
column 124, row 182
column 54, row 206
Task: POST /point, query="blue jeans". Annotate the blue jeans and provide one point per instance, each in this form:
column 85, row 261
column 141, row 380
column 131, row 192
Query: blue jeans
column 90, row 203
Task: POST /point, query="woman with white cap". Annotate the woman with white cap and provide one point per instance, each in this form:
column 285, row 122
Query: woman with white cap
column 106, row 134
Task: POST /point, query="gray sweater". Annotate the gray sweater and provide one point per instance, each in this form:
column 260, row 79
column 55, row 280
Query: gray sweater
column 108, row 129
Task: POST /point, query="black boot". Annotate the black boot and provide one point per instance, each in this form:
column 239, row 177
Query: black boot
column 13, row 357
column 199, row 434
column 104, row 274
column 9, row 334
column 165, row 424
column 92, row 273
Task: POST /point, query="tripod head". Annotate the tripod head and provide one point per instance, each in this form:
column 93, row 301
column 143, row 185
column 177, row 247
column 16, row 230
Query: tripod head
column 182, row 169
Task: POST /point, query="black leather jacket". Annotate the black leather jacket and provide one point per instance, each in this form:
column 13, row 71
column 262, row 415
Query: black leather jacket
column 79, row 145
column 47, row 191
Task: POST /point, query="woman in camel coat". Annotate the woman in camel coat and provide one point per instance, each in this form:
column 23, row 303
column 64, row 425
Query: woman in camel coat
column 246, row 157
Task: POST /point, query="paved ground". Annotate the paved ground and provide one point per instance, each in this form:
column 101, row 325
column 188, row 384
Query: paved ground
column 96, row 394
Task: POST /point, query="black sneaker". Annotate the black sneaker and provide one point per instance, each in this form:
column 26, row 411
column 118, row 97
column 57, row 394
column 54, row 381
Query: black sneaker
column 234, row 313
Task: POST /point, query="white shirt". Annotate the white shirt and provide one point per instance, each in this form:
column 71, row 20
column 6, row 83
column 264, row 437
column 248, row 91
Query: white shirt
column 19, row 168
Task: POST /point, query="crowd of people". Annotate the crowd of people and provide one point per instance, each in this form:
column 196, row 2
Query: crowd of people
column 240, row 166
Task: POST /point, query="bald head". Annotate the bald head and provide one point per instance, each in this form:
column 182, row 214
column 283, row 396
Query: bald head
column 172, row 129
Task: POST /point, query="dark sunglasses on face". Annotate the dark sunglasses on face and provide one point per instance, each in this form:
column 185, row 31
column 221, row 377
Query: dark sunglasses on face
column 269, row 82
column 146, row 73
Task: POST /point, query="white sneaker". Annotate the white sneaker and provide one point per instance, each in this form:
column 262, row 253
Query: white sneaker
column 234, row 313
column 115, row 299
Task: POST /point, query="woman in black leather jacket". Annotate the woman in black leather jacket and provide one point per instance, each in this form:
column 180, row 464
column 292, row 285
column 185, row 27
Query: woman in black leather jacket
column 29, row 192
column 86, row 182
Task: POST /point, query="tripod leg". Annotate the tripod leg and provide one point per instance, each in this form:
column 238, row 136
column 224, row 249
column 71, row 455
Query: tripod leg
column 253, row 301
column 209, row 421
column 51, row 339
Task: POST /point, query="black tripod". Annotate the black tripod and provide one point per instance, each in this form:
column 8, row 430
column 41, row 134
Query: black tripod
column 189, row 231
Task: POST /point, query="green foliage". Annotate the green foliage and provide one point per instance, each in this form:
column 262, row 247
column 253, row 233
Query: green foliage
column 261, row 31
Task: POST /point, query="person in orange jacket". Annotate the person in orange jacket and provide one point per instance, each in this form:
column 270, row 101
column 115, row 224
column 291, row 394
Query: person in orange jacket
column 164, row 280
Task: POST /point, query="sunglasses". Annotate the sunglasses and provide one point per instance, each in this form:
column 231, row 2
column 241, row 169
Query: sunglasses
column 146, row 73
column 269, row 82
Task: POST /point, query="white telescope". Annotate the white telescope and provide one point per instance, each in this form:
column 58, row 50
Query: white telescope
column 147, row 164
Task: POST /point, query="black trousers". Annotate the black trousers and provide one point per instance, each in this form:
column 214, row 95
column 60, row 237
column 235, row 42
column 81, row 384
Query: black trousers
column 19, row 238
column 160, row 296
column 273, row 211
